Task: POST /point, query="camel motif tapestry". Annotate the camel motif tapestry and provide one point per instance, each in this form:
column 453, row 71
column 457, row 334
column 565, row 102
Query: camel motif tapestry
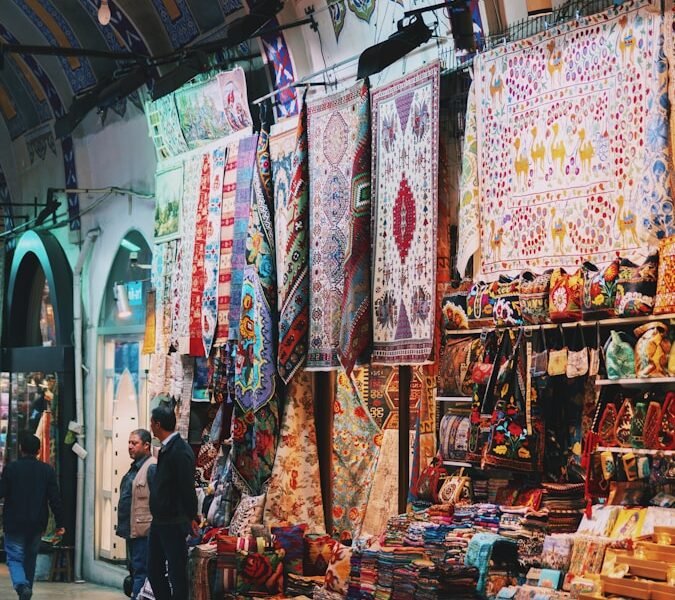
column 567, row 152
column 405, row 197
column 332, row 125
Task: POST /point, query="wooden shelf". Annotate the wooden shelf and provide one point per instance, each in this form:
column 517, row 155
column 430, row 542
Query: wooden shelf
column 645, row 451
column 457, row 463
column 454, row 399
column 637, row 381
column 602, row 322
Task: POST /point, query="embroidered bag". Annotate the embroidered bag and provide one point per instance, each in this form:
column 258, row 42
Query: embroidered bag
column 453, row 306
column 619, row 356
column 260, row 573
column 479, row 306
column 599, row 290
column 505, row 294
column 650, row 435
column 457, row 358
column 453, row 436
column 456, row 489
column 607, row 426
column 594, row 354
column 428, row 483
column 636, row 287
column 577, row 360
column 557, row 359
column 652, row 350
column 534, row 291
column 539, row 364
column 623, row 423
column 667, row 428
column 517, row 435
column 665, row 284
column 565, row 295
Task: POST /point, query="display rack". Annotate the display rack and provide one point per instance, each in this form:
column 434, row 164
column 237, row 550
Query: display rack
column 456, row 399
column 637, row 381
column 643, row 451
column 457, row 463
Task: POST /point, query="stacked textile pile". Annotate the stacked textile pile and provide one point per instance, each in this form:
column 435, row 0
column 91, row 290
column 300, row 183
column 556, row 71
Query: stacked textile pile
column 480, row 489
column 528, row 528
column 438, row 583
column 397, row 528
column 441, row 513
column 388, row 561
column 300, row 585
column 405, row 582
column 201, row 570
column 564, row 503
column 363, row 574
column 484, row 517
column 456, row 543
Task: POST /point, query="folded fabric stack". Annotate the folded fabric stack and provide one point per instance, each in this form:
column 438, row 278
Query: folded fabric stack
column 201, row 570
column 441, row 513
column 456, row 543
column 565, row 504
column 415, row 534
column 323, row 594
column 354, row 589
column 494, row 484
column 387, row 563
column 368, row 580
column 487, row 517
column 299, row 585
column 396, row 530
column 405, row 582
column 480, row 490
column 450, row 581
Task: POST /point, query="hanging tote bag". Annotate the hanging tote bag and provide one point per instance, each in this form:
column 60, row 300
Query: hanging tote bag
column 666, row 434
column 665, row 284
column 557, row 359
column 577, row 359
column 650, row 436
column 505, row 296
column 479, row 305
column 429, row 482
column 594, row 354
column 512, row 444
column 599, row 290
column 457, row 358
column 652, row 350
column 636, row 287
column 534, row 291
column 453, row 306
column 619, row 356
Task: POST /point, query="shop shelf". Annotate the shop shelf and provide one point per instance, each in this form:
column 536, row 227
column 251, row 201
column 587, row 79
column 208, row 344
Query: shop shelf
column 627, row 588
column 453, row 399
column 637, row 381
column 643, row 451
column 457, row 463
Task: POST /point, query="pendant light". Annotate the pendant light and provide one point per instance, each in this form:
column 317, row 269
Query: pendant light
column 104, row 13
column 539, row 7
column 122, row 300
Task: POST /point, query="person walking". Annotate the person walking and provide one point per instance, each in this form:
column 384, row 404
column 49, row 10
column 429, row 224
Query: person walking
column 28, row 487
column 133, row 510
column 173, row 504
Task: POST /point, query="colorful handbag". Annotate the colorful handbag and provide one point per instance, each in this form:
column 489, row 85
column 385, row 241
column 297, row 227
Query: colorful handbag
column 456, row 361
column 577, row 360
column 453, row 434
column 665, row 284
column 565, row 295
column 534, row 291
column 456, row 489
column 607, row 426
column 599, row 290
column 650, row 434
column 479, row 306
column 652, row 350
column 453, row 306
column 623, row 423
column 539, row 361
column 619, row 356
column 636, row 287
column 516, row 437
column 557, row 359
column 429, row 482
column 594, row 354
column 666, row 434
column 505, row 294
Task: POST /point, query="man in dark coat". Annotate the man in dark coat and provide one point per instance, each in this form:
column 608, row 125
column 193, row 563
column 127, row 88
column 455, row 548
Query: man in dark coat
column 28, row 486
column 173, row 504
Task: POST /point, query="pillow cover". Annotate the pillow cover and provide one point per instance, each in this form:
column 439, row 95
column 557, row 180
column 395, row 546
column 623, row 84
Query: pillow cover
column 248, row 512
column 260, row 573
column 337, row 573
column 292, row 540
column 318, row 548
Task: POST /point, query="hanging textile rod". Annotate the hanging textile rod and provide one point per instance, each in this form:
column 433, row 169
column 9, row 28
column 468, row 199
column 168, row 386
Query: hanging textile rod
column 305, row 79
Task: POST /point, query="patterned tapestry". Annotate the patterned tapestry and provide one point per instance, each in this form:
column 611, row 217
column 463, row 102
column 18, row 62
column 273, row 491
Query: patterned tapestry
column 405, row 170
column 356, row 330
column 291, row 179
column 213, row 109
column 331, row 126
column 182, row 286
column 226, row 238
column 212, row 249
column 337, row 12
column 257, row 410
column 356, row 446
column 669, row 36
column 164, row 127
column 198, row 280
column 242, row 207
column 294, row 493
column 584, row 102
column 363, row 9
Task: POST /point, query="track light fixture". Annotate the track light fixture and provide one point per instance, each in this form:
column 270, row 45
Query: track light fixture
column 407, row 37
column 121, row 300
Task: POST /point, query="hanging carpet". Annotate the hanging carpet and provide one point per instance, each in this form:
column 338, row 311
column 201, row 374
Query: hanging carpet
column 332, row 126
column 572, row 146
column 405, row 170
column 164, row 127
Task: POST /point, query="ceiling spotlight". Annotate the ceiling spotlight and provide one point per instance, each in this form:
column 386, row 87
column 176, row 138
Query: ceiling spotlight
column 104, row 13
column 121, row 300
column 396, row 46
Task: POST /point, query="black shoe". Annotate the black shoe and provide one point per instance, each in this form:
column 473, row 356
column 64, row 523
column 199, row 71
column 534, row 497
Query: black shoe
column 25, row 593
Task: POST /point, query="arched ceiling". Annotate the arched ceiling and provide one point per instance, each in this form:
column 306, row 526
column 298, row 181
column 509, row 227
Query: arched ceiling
column 34, row 90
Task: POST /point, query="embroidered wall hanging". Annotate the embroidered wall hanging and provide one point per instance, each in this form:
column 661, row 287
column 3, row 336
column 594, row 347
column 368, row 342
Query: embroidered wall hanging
column 583, row 102
column 168, row 192
column 291, row 179
column 226, row 240
column 242, row 209
column 404, row 175
column 164, row 127
column 212, row 249
column 332, row 123
column 356, row 330
column 294, row 493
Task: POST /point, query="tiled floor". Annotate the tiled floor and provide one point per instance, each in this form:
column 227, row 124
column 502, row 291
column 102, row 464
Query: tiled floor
column 56, row 591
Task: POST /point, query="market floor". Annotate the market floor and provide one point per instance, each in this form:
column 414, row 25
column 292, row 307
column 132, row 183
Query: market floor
column 55, row 591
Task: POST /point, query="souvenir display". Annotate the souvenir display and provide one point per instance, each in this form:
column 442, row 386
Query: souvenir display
column 600, row 290
column 506, row 301
column 652, row 350
column 636, row 287
column 454, row 306
column 534, row 297
column 665, row 285
column 565, row 295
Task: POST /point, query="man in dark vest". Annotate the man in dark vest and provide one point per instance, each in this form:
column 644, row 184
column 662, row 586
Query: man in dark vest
column 173, row 504
column 133, row 510
column 28, row 486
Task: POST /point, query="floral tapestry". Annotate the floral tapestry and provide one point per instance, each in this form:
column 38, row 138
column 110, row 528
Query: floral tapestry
column 572, row 148
column 404, row 188
column 332, row 126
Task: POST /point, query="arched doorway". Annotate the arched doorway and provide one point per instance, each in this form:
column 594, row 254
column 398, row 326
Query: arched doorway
column 37, row 379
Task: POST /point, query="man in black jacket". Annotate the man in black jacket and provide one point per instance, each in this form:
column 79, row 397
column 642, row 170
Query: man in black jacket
column 27, row 486
column 173, row 504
